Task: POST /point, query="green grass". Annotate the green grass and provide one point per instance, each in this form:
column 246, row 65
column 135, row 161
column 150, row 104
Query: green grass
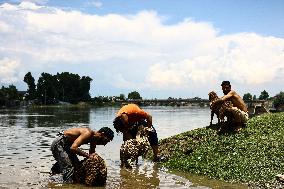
column 254, row 156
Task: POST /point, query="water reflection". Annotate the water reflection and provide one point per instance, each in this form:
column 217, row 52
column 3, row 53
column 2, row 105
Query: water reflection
column 57, row 117
column 140, row 177
column 26, row 136
column 47, row 117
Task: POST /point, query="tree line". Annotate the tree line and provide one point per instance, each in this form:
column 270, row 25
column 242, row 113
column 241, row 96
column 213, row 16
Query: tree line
column 51, row 89
column 278, row 100
column 72, row 88
column 9, row 96
column 263, row 96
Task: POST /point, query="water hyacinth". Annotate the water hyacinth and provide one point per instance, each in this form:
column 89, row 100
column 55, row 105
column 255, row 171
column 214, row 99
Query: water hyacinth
column 253, row 156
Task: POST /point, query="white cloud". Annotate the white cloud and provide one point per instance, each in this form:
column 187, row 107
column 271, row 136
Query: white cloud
column 139, row 50
column 31, row 4
column 38, row 2
column 97, row 4
column 9, row 71
column 244, row 58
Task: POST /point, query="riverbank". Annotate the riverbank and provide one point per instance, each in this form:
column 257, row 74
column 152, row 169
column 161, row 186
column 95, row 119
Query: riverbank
column 254, row 156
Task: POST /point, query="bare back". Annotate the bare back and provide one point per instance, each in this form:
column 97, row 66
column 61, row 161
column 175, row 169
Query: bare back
column 74, row 133
column 78, row 136
column 236, row 100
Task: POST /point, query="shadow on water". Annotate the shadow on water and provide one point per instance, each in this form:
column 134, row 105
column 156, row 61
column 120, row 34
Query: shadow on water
column 26, row 159
column 210, row 183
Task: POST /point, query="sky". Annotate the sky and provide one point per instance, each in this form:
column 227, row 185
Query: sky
column 160, row 48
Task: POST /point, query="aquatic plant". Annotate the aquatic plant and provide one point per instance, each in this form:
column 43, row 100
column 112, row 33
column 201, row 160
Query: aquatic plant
column 253, row 156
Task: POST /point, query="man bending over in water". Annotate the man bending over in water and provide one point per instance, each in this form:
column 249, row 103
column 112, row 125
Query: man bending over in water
column 65, row 148
column 127, row 120
column 239, row 112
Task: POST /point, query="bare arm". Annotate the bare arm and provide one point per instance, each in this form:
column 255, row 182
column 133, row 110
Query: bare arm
column 124, row 119
column 92, row 148
column 82, row 139
column 229, row 95
column 221, row 100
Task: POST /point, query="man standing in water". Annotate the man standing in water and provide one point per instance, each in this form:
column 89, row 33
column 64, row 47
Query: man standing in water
column 128, row 118
column 65, row 148
column 239, row 111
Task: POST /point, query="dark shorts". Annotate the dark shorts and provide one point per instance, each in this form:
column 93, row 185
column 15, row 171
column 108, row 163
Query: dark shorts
column 65, row 159
column 152, row 137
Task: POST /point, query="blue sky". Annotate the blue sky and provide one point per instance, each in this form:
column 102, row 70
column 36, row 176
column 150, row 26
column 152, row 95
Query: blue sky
column 159, row 48
column 230, row 16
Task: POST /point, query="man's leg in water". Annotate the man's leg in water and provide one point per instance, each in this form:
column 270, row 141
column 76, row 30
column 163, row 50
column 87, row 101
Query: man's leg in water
column 64, row 160
column 153, row 140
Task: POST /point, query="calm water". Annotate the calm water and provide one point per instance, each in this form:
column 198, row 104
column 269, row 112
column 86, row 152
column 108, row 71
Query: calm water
column 26, row 136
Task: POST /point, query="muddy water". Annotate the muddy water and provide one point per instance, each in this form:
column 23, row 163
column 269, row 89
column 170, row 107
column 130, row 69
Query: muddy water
column 26, row 136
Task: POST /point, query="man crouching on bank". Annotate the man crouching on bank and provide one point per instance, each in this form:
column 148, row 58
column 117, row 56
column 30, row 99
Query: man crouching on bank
column 238, row 114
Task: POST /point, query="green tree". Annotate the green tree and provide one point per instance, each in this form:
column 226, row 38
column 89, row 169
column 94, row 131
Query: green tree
column 247, row 96
column 29, row 79
column 84, row 89
column 279, row 100
column 2, row 96
column 134, row 95
column 64, row 86
column 47, row 86
column 72, row 88
column 254, row 97
column 12, row 93
column 263, row 95
column 8, row 95
column 121, row 97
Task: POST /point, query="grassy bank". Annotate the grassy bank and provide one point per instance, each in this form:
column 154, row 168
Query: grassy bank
column 253, row 156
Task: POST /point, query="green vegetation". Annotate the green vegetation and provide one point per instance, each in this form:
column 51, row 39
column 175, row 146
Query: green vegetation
column 30, row 81
column 9, row 96
column 247, row 97
column 105, row 101
column 279, row 100
column 134, row 95
column 65, row 87
column 254, row 97
column 253, row 156
column 263, row 95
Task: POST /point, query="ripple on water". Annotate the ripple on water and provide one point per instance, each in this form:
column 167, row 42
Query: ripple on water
column 29, row 143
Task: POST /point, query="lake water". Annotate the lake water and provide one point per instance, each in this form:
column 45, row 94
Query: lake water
column 26, row 136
